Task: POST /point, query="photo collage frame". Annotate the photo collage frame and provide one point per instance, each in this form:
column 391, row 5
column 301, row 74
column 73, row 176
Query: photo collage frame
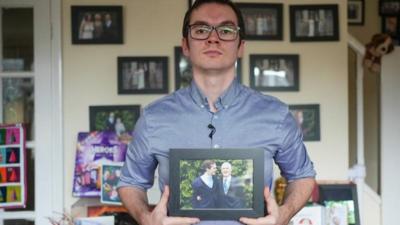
column 12, row 166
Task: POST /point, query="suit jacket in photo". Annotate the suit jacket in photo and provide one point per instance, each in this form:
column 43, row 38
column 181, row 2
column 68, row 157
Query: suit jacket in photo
column 109, row 31
column 204, row 196
column 234, row 198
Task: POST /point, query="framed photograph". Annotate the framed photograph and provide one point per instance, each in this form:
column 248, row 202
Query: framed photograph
column 120, row 119
column 191, row 2
column 355, row 12
column 262, row 21
column 389, row 7
column 183, row 69
column 307, row 117
column 110, row 174
column 391, row 26
column 142, row 75
column 340, row 201
column 96, row 24
column 314, row 23
column 216, row 184
column 274, row 72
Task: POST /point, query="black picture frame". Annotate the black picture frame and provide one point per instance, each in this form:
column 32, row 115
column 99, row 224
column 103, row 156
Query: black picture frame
column 389, row 7
column 184, row 170
column 342, row 194
column 183, row 69
column 191, row 2
column 99, row 117
column 391, row 26
column 308, row 119
column 314, row 23
column 89, row 24
column 274, row 72
column 263, row 21
column 355, row 12
column 142, row 75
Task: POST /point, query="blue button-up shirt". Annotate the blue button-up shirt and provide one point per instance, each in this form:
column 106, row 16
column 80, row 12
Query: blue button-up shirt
column 245, row 118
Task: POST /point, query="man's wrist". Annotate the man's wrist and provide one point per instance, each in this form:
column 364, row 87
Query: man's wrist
column 286, row 212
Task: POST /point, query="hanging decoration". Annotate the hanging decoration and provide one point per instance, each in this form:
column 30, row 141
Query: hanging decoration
column 12, row 166
column 381, row 44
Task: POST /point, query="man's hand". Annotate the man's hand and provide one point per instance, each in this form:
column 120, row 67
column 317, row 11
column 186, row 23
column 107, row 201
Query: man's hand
column 159, row 214
column 273, row 212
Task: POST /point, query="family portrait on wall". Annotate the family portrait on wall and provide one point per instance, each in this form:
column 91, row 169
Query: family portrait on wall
column 120, row 119
column 262, row 21
column 314, row 23
column 141, row 75
column 274, row 72
column 97, row 24
column 307, row 118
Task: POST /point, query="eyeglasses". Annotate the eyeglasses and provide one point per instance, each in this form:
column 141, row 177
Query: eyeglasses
column 203, row 31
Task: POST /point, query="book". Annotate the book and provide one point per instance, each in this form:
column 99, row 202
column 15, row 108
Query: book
column 92, row 150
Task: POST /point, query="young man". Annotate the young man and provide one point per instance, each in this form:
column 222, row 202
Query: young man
column 205, row 187
column 213, row 32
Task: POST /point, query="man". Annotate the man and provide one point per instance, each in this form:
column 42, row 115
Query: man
column 205, row 187
column 213, row 32
column 109, row 27
column 231, row 191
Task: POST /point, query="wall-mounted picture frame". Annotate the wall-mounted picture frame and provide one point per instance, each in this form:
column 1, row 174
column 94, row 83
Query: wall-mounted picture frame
column 391, row 26
column 183, row 69
column 340, row 200
column 275, row 72
column 241, row 195
column 115, row 118
column 314, row 23
column 308, row 119
column 389, row 7
column 142, row 75
column 263, row 21
column 355, row 12
column 97, row 24
column 191, row 2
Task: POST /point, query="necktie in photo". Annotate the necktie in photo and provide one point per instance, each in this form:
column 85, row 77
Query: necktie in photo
column 225, row 186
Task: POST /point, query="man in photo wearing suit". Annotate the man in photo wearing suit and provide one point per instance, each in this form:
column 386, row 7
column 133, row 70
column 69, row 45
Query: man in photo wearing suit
column 205, row 187
column 231, row 191
column 109, row 29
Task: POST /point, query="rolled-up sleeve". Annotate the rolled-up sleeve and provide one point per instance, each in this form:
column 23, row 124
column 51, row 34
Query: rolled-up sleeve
column 140, row 164
column 292, row 157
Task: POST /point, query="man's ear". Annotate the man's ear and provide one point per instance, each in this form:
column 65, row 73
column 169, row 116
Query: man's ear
column 241, row 49
column 185, row 47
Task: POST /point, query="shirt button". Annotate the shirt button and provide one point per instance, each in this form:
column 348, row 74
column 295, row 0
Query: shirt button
column 215, row 117
column 202, row 106
column 216, row 146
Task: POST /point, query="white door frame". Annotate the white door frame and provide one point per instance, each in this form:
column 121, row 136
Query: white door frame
column 49, row 185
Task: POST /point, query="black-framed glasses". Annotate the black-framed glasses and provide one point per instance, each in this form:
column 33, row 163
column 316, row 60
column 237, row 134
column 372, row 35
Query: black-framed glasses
column 225, row 32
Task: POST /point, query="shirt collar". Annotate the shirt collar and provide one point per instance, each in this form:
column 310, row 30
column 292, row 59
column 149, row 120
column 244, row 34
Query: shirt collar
column 224, row 101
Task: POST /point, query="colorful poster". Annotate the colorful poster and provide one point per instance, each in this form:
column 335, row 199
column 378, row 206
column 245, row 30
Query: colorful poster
column 12, row 166
column 109, row 180
column 94, row 149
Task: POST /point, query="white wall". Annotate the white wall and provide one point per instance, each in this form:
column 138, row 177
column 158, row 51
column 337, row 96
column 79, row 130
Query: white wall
column 390, row 141
column 90, row 75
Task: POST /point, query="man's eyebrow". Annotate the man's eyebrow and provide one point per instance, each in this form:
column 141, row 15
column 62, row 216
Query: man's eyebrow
column 227, row 22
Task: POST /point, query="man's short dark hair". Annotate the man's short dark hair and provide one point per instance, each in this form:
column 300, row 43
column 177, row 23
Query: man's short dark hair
column 198, row 3
column 207, row 164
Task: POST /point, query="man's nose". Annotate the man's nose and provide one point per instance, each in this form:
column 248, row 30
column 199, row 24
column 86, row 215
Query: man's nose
column 213, row 37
